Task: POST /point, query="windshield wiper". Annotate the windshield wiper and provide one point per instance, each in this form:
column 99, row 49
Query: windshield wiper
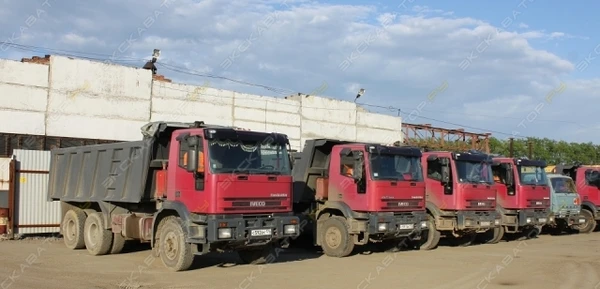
column 234, row 171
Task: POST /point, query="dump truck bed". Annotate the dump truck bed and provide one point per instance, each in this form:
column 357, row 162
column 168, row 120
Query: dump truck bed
column 309, row 164
column 114, row 172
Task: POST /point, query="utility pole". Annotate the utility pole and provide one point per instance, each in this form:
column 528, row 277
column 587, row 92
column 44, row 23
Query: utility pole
column 510, row 147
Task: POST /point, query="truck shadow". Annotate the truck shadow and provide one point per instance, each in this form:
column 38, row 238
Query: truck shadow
column 231, row 259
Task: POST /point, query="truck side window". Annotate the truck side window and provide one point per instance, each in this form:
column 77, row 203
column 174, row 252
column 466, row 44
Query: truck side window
column 183, row 149
column 434, row 170
column 346, row 165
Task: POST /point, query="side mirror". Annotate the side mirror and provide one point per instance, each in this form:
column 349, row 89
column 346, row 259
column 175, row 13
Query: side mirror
column 357, row 171
column 509, row 178
column 192, row 160
column 445, row 174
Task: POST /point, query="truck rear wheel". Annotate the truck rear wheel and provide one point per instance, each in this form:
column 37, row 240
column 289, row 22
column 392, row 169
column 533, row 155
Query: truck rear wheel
column 98, row 240
column 335, row 239
column 590, row 223
column 118, row 243
column 72, row 229
column 175, row 253
column 431, row 238
column 256, row 256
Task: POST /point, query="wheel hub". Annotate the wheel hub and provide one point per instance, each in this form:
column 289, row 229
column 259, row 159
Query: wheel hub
column 70, row 229
column 93, row 234
column 171, row 246
column 333, row 237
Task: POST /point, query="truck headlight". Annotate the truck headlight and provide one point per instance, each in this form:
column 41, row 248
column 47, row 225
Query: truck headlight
column 497, row 222
column 551, row 219
column 289, row 229
column 224, row 233
column 424, row 224
column 528, row 220
column 382, row 227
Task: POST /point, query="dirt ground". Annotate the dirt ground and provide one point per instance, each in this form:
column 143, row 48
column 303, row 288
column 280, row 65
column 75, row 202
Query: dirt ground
column 568, row 261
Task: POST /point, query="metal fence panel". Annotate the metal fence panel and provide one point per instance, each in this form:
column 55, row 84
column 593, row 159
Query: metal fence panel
column 34, row 214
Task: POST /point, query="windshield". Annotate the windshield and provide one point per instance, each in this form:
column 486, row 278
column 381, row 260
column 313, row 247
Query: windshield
column 396, row 167
column 563, row 185
column 530, row 175
column 474, row 172
column 248, row 157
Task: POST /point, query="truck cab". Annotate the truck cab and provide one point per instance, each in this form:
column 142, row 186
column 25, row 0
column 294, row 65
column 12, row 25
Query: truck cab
column 587, row 182
column 566, row 205
column 355, row 193
column 523, row 195
column 461, row 199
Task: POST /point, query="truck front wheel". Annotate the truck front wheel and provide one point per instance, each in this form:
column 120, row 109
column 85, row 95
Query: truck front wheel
column 431, row 238
column 175, row 253
column 590, row 223
column 256, row 256
column 98, row 240
column 335, row 239
column 72, row 229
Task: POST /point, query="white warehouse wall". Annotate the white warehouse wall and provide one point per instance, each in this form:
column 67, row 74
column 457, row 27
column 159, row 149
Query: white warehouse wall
column 86, row 99
column 23, row 97
column 96, row 100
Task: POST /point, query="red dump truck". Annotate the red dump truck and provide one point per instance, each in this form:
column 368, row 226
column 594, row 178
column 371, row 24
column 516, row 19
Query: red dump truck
column 358, row 193
column 523, row 198
column 587, row 181
column 186, row 188
column 461, row 200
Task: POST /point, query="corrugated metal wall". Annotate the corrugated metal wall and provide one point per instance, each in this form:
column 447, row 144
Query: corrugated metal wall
column 4, row 179
column 34, row 214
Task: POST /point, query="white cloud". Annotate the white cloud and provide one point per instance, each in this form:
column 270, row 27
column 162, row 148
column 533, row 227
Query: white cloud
column 398, row 56
column 78, row 40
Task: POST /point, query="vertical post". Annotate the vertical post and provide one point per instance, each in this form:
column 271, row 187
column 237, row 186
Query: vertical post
column 12, row 172
column 530, row 144
column 510, row 147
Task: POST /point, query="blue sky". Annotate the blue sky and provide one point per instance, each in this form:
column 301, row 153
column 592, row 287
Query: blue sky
column 519, row 54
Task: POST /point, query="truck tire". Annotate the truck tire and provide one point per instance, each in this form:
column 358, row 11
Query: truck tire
column 335, row 239
column 98, row 240
column 492, row 236
column 118, row 243
column 256, row 256
column 498, row 234
column 590, row 223
column 431, row 238
column 175, row 253
column 72, row 229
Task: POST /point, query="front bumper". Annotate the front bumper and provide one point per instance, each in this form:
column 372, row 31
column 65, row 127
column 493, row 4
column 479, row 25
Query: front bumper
column 397, row 225
column 571, row 219
column 477, row 220
column 259, row 229
column 535, row 217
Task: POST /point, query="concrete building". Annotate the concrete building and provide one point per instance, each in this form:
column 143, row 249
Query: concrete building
column 75, row 98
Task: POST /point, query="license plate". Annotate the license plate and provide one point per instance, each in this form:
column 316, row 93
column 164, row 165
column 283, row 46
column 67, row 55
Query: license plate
column 261, row 232
column 542, row 220
column 581, row 221
column 485, row 224
column 406, row 226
